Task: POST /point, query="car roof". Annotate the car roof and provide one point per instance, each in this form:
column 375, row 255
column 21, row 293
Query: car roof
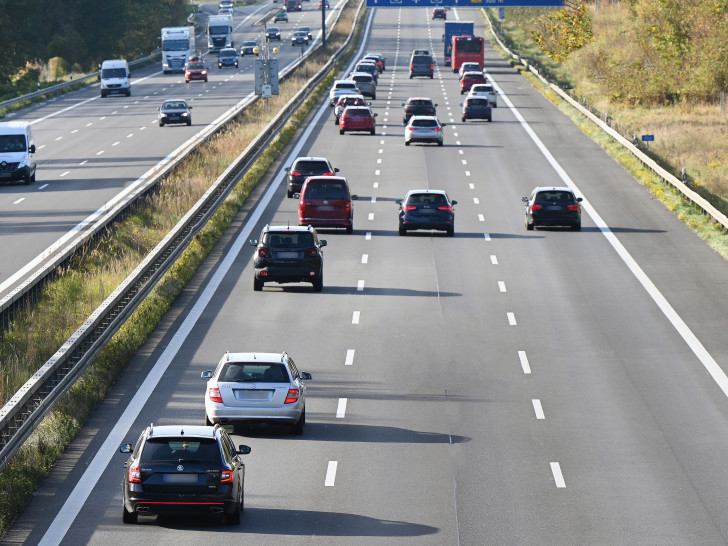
column 264, row 357
column 419, row 98
column 310, row 158
column 552, row 188
column 250, row 42
column 438, row 192
column 351, row 96
column 473, row 73
column 344, row 81
column 362, row 74
column 328, row 179
column 281, row 229
column 228, row 50
column 195, row 431
column 425, row 117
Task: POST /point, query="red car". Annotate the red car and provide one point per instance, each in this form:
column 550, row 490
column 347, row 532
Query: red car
column 469, row 79
column 439, row 13
column 357, row 118
column 326, row 202
column 195, row 71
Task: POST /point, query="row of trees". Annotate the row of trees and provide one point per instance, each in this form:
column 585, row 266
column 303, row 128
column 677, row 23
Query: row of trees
column 642, row 51
column 80, row 32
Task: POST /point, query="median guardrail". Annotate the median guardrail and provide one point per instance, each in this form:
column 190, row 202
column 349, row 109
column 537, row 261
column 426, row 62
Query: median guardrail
column 25, row 410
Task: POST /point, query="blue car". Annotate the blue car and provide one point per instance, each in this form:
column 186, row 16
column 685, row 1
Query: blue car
column 227, row 57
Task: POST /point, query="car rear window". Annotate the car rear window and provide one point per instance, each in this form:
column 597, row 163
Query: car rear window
column 288, row 239
column 346, row 85
column 477, row 102
column 311, row 167
column 325, row 190
column 424, row 123
column 426, row 199
column 421, row 59
column 555, row 196
column 357, row 111
column 173, row 450
column 254, row 372
column 421, row 102
column 363, row 78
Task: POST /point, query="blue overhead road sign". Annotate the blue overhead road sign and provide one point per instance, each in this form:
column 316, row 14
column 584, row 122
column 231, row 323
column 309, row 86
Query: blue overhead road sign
column 465, row 3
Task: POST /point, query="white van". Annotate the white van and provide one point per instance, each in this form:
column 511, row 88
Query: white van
column 115, row 78
column 17, row 152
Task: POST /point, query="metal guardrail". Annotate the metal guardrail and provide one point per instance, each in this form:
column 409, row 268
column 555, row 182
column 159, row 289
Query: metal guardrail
column 58, row 87
column 26, row 409
column 650, row 163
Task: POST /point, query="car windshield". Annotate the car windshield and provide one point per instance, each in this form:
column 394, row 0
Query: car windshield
column 250, row 44
column 174, row 105
column 195, row 66
column 12, row 143
column 288, row 239
column 273, row 30
column 554, row 196
column 175, row 450
column 254, row 372
column 345, row 86
column 326, row 190
column 227, row 53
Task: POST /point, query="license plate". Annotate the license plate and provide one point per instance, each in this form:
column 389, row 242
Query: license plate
column 179, row 478
column 248, row 394
column 287, row 255
column 326, row 208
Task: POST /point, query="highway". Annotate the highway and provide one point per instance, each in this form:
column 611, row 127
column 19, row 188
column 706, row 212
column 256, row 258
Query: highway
column 91, row 150
column 500, row 387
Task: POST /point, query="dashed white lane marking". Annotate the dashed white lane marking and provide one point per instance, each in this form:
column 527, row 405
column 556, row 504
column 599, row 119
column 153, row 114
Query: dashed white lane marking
column 19, row 201
column 374, row 199
column 511, row 319
column 376, row 172
column 524, row 362
column 502, row 286
column 368, row 236
column 130, row 135
column 467, row 173
column 460, row 151
column 43, row 186
column 486, row 236
column 538, row 408
column 89, row 124
column 360, row 286
column 83, row 162
column 465, row 161
column 116, row 143
column 65, row 173
column 331, row 474
column 59, row 138
column 74, row 131
column 558, row 476
column 355, row 317
column 364, row 258
column 349, row 360
column 476, row 201
column 371, row 216
column 493, row 259
column 341, row 409
column 99, row 153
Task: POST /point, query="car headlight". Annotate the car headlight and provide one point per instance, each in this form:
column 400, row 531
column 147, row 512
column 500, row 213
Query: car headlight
column 204, row 72
column 185, row 114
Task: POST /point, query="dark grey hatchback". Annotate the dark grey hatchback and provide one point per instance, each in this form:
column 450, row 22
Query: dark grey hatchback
column 426, row 209
column 302, row 168
column 552, row 206
column 287, row 254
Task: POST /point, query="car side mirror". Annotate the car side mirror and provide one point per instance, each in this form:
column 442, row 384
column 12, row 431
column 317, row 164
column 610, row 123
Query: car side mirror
column 306, row 376
column 454, row 202
column 524, row 199
column 32, row 149
column 322, row 243
column 243, row 449
column 375, row 115
column 287, row 169
column 336, row 170
column 207, row 374
column 354, row 197
column 579, row 199
column 125, row 448
column 253, row 242
column 189, row 108
column 403, row 104
column 398, row 202
column 436, row 105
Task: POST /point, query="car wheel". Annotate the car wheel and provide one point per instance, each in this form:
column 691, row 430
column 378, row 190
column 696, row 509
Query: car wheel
column 402, row 231
column 406, row 142
column 451, row 232
column 463, row 120
column 529, row 227
column 289, row 193
column 26, row 180
column 373, row 132
column 233, row 518
column 297, row 427
column 205, row 80
column 161, row 123
column 189, row 122
column 341, row 131
column 318, row 283
column 440, row 143
column 128, row 93
column 576, row 227
column 208, row 423
column 410, row 76
column 257, row 284
column 129, row 517
column 490, row 118
column 336, row 120
column 374, row 97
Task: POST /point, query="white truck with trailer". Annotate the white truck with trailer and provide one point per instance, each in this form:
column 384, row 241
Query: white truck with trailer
column 219, row 32
column 178, row 45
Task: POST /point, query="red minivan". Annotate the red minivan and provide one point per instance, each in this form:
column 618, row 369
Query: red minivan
column 326, row 202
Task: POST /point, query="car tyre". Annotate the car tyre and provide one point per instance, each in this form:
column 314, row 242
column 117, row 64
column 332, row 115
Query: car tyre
column 129, row 517
column 161, row 123
column 189, row 122
column 529, row 227
column 440, row 143
column 257, row 284
column 373, row 132
column 318, row 283
column 463, row 120
column 297, row 427
column 374, row 97
column 406, row 142
column 289, row 193
column 233, row 518
column 402, row 231
column 451, row 232
column 576, row 227
column 341, row 131
column 490, row 118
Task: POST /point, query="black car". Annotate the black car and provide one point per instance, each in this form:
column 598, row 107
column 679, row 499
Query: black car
column 552, row 207
column 227, row 57
column 174, row 111
column 426, row 209
column 477, row 108
column 418, row 106
column 248, row 48
column 286, row 254
column 439, row 13
column 308, row 32
column 303, row 167
column 273, row 33
column 183, row 469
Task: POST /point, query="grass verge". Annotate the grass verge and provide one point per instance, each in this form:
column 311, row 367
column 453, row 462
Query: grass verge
column 66, row 303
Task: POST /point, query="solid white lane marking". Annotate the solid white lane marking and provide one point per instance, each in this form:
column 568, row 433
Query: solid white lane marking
column 481, row 218
column 511, row 318
column 524, row 362
column 341, row 409
column 364, row 258
column 331, row 474
column 502, row 286
column 355, row 317
column 538, row 409
column 558, row 476
column 19, row 201
column 493, row 259
column 360, row 286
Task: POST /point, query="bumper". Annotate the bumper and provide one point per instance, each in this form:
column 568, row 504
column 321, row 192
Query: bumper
column 21, row 173
column 436, row 224
column 227, row 415
column 170, row 503
column 283, row 274
column 357, row 127
column 325, row 222
column 551, row 220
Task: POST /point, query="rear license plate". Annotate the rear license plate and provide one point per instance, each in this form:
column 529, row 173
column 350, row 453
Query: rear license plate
column 249, row 394
column 179, row 478
column 287, row 255
column 326, row 208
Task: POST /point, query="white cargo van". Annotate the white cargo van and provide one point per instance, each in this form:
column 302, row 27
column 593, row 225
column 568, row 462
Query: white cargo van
column 17, row 152
column 115, row 78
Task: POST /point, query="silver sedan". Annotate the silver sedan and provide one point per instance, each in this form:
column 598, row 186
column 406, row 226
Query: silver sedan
column 423, row 129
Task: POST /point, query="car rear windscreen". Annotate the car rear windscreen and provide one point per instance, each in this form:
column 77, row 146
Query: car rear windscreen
column 326, row 190
column 172, row 450
column 254, row 372
column 288, row 239
column 554, row 196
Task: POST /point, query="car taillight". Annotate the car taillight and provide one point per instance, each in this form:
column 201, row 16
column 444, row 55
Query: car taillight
column 327, row 174
column 135, row 475
column 446, row 207
column 411, row 65
column 536, row 207
column 312, row 252
column 292, row 396
column 432, row 66
column 573, row 207
column 295, row 173
column 263, row 252
column 437, row 128
column 214, row 394
column 348, row 207
column 408, row 208
column 226, row 476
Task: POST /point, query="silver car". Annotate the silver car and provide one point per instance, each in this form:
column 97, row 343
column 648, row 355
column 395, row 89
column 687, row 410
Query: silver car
column 248, row 388
column 423, row 129
column 365, row 83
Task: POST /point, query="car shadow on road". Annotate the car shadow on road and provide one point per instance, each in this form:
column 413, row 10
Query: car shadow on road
column 308, row 523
